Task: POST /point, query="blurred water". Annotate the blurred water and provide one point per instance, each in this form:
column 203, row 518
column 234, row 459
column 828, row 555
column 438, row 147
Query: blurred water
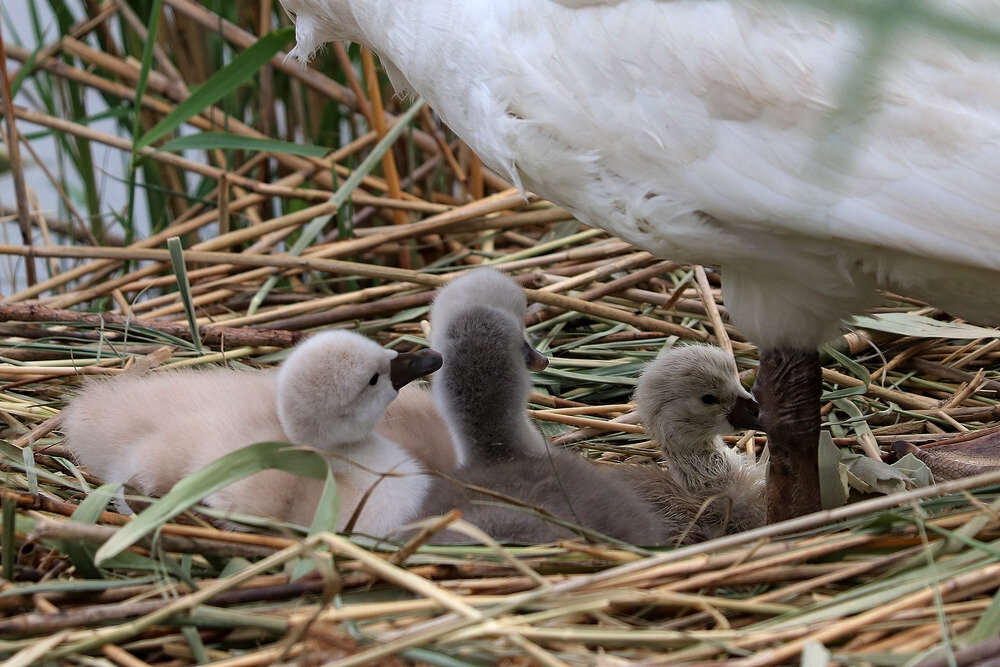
column 111, row 165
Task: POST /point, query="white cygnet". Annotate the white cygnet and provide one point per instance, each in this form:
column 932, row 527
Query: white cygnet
column 153, row 430
column 687, row 399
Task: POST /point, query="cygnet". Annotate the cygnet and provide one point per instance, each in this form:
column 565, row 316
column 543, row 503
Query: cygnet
column 482, row 391
column 152, row 430
column 483, row 386
column 414, row 419
column 687, row 399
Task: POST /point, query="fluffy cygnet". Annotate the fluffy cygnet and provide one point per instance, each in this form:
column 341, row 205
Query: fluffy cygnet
column 483, row 387
column 414, row 420
column 687, row 399
column 482, row 390
column 153, row 430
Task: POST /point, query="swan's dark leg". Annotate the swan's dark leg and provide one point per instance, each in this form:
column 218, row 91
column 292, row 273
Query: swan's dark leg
column 788, row 389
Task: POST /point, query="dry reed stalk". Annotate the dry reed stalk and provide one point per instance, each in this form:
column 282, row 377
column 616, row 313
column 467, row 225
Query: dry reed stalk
column 170, row 159
column 212, row 335
column 152, row 241
column 967, row 583
column 310, row 77
column 380, row 126
column 46, row 54
column 583, row 422
column 347, row 268
column 708, row 298
column 121, row 656
column 72, row 530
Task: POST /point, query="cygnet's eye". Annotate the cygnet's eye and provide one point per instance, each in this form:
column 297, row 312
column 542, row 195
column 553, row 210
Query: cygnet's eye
column 709, row 399
column 374, row 380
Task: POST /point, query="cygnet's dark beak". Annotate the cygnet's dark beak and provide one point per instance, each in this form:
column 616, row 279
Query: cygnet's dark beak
column 406, row 368
column 745, row 414
column 534, row 359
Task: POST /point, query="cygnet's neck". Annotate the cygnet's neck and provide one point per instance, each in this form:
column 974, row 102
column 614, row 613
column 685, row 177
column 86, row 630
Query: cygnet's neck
column 700, row 464
column 703, row 446
column 488, row 423
column 483, row 388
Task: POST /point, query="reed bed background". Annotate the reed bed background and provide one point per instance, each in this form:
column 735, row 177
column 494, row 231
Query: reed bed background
column 306, row 198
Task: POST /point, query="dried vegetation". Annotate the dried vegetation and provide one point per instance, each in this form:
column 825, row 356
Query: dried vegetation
column 354, row 227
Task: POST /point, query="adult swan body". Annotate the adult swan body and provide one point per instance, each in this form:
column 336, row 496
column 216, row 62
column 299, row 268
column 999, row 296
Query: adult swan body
column 711, row 131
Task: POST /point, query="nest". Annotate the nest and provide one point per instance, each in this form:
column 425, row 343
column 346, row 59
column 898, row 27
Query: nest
column 278, row 243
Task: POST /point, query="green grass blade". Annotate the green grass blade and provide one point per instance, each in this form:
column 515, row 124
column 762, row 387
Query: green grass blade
column 987, row 626
column 216, row 475
column 23, row 73
column 72, row 586
column 88, row 511
column 184, row 287
column 140, row 90
column 910, row 324
column 193, row 639
column 856, row 369
column 220, row 84
column 324, row 521
column 29, row 469
column 226, row 141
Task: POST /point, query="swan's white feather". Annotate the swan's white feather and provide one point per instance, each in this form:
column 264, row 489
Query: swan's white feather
column 703, row 130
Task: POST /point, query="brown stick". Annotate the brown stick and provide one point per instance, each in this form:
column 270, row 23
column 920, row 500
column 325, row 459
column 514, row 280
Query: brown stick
column 310, row 77
column 902, row 398
column 604, row 289
column 947, row 372
column 211, row 335
column 360, row 311
column 973, row 655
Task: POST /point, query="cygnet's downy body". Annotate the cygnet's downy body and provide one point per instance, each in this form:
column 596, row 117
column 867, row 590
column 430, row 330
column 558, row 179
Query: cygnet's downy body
column 687, row 399
column 153, row 430
column 482, row 391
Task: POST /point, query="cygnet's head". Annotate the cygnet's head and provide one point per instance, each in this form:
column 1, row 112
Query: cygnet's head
column 481, row 287
column 688, row 396
column 335, row 386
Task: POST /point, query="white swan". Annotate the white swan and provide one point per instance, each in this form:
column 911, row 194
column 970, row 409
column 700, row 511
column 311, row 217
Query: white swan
column 708, row 131
column 329, row 393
